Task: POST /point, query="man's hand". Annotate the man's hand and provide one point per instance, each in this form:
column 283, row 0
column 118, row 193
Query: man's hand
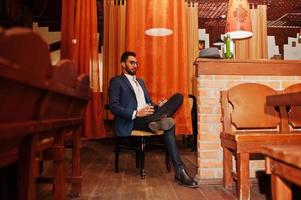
column 145, row 111
column 162, row 102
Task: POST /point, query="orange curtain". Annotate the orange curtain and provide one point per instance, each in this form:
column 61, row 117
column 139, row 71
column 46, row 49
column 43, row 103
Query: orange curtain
column 114, row 43
column 67, row 28
column 162, row 59
column 85, row 55
column 255, row 47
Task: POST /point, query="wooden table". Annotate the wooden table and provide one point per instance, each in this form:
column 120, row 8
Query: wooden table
column 283, row 162
column 282, row 102
column 289, row 99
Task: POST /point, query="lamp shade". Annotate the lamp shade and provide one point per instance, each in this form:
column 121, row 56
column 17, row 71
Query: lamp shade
column 238, row 24
column 157, row 16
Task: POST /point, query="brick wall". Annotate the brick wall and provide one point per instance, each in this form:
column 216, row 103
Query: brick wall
column 209, row 118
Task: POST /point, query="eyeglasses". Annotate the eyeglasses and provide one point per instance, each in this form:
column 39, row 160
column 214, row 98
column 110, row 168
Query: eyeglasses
column 133, row 62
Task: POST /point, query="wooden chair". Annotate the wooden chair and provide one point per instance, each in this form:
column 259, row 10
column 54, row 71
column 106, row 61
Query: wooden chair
column 137, row 142
column 77, row 108
column 69, row 104
column 34, row 109
column 22, row 81
column 248, row 124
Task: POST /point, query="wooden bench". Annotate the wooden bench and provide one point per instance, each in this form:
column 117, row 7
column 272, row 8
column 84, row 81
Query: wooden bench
column 41, row 106
column 248, row 124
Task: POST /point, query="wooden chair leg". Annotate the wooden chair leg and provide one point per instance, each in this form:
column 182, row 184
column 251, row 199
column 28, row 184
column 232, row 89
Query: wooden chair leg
column 26, row 169
column 76, row 184
column 227, row 168
column 280, row 188
column 194, row 142
column 142, row 158
column 58, row 166
column 242, row 168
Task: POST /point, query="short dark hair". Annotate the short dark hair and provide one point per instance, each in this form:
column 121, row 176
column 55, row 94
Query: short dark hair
column 126, row 54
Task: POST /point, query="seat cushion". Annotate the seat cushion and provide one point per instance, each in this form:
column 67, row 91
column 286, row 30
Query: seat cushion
column 146, row 133
column 252, row 142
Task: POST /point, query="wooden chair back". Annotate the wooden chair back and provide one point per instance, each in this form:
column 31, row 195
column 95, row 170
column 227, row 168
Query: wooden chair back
column 23, row 77
column 26, row 52
column 294, row 112
column 82, row 91
column 58, row 100
column 243, row 108
column 20, row 102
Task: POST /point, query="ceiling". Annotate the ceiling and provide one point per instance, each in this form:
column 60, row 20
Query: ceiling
column 280, row 13
column 284, row 16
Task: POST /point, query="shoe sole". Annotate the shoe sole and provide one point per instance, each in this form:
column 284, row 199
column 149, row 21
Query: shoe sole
column 167, row 124
column 154, row 126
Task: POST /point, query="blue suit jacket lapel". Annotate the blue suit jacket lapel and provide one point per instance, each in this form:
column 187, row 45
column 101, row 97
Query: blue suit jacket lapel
column 125, row 79
column 127, row 82
column 142, row 86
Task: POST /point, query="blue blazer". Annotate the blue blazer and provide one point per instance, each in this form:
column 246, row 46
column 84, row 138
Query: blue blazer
column 123, row 103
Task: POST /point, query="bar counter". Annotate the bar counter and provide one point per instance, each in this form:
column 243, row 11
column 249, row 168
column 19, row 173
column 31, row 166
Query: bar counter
column 214, row 75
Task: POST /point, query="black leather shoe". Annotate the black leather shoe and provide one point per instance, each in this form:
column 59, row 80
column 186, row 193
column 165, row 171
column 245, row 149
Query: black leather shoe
column 183, row 178
column 163, row 124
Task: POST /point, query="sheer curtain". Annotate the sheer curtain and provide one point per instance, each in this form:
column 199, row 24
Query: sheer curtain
column 256, row 46
column 114, row 42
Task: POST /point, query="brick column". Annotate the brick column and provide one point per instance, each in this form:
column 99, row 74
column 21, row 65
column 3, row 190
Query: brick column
column 209, row 117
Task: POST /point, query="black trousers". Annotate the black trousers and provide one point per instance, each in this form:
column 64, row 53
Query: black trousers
column 167, row 110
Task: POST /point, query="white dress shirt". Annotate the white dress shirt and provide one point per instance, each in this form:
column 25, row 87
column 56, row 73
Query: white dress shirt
column 138, row 93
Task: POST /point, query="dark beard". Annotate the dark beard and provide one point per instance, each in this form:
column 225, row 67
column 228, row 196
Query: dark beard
column 130, row 72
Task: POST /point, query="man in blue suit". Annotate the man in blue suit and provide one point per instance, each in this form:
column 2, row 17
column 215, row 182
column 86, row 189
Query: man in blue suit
column 134, row 110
